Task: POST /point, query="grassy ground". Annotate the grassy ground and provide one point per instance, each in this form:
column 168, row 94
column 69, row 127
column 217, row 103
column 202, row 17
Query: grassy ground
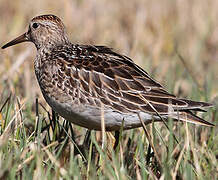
column 155, row 34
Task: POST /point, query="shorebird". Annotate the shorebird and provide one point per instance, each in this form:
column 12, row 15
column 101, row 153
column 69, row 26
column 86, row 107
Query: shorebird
column 86, row 84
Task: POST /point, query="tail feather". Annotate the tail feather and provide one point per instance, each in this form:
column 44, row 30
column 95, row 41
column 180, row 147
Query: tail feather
column 192, row 105
column 190, row 117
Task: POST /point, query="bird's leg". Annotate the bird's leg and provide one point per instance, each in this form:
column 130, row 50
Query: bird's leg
column 87, row 139
column 149, row 154
column 117, row 135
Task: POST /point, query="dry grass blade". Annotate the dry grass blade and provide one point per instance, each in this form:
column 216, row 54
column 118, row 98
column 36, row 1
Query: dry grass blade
column 7, row 100
column 189, row 70
column 104, row 142
column 162, row 119
column 19, row 61
column 181, row 156
column 10, row 128
column 56, row 162
column 150, row 141
column 30, row 158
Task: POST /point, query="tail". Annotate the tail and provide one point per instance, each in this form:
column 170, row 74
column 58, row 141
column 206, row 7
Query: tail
column 196, row 105
column 185, row 113
column 188, row 116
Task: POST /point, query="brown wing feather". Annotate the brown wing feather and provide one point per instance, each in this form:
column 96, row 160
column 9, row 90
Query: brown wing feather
column 118, row 82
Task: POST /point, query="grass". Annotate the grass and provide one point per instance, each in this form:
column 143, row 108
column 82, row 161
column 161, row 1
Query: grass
column 175, row 42
column 51, row 148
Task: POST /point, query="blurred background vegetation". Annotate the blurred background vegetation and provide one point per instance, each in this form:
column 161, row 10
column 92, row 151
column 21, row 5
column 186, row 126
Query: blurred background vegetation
column 147, row 31
column 175, row 41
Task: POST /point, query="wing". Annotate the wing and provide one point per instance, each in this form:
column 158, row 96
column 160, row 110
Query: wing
column 103, row 76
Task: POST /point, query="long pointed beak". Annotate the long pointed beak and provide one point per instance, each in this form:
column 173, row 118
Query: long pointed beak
column 24, row 37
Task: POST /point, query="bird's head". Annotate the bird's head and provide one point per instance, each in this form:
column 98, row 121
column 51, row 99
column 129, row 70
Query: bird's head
column 44, row 31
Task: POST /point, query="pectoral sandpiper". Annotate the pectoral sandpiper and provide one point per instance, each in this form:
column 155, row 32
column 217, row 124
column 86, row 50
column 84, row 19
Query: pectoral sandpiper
column 80, row 82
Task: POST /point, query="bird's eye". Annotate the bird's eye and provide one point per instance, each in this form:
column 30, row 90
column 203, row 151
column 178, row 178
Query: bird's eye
column 35, row 25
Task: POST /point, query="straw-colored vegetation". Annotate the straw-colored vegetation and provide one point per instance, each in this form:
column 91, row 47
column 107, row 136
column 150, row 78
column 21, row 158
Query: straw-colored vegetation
column 175, row 41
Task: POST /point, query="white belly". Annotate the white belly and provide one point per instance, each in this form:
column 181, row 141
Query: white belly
column 90, row 117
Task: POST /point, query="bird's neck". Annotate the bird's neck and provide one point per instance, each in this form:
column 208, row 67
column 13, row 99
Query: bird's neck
column 47, row 43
